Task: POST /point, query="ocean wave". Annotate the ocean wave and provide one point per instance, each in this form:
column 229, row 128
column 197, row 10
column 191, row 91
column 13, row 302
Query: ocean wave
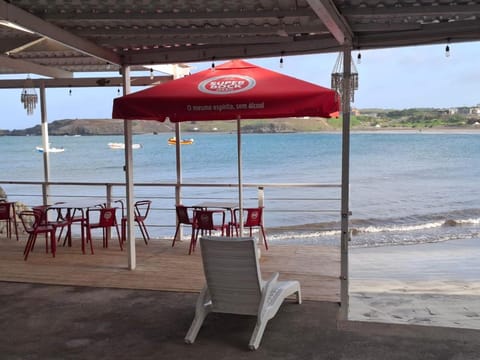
column 380, row 232
column 415, row 240
column 463, row 222
column 415, row 227
column 396, row 228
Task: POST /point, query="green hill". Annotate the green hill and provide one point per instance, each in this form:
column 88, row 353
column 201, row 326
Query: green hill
column 366, row 119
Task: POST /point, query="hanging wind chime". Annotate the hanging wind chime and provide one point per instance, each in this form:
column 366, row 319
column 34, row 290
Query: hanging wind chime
column 337, row 77
column 29, row 97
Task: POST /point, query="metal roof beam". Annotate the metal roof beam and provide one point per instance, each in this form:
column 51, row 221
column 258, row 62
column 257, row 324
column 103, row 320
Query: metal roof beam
column 335, row 23
column 28, row 67
column 28, row 21
column 85, row 82
column 400, row 11
column 179, row 16
column 317, row 44
column 157, row 32
column 429, row 34
column 211, row 40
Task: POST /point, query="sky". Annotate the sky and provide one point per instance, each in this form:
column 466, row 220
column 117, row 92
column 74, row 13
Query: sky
column 397, row 78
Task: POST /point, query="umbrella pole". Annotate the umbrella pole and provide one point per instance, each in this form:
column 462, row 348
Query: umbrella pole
column 178, row 186
column 127, row 129
column 46, row 146
column 240, row 176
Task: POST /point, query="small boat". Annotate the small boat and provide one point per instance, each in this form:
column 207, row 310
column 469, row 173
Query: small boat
column 50, row 149
column 173, row 141
column 120, row 146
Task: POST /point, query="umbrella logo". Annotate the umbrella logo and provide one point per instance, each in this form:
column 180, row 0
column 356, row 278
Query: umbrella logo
column 226, row 84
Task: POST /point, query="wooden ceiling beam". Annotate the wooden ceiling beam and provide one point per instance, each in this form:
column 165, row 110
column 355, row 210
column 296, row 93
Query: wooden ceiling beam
column 331, row 18
column 30, row 22
column 28, row 67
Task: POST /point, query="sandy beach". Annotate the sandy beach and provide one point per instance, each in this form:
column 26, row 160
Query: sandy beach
column 431, row 284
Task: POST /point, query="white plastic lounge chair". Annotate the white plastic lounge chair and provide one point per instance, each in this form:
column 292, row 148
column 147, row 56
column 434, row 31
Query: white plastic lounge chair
column 234, row 285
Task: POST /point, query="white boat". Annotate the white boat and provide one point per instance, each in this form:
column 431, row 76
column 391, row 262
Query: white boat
column 120, row 146
column 50, row 149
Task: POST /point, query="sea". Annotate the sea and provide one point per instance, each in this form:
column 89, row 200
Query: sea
column 406, row 187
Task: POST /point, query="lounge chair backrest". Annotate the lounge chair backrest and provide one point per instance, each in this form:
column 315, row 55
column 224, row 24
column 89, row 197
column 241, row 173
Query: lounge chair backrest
column 232, row 274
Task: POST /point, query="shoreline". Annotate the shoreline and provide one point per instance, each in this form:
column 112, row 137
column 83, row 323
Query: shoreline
column 428, row 284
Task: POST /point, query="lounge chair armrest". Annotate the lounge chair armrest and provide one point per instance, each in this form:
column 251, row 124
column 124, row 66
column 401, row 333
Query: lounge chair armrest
column 203, row 298
column 266, row 291
column 272, row 280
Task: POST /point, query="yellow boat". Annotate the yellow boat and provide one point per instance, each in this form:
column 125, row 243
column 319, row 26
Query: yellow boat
column 173, row 141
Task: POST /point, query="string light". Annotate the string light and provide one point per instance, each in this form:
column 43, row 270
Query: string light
column 118, row 91
column 151, row 73
column 281, row 60
column 447, row 51
column 359, row 58
column 213, row 63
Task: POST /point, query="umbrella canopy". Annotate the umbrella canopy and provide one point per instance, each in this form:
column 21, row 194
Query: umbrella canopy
column 234, row 90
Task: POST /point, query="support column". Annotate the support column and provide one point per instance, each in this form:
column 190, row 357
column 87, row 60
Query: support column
column 345, row 211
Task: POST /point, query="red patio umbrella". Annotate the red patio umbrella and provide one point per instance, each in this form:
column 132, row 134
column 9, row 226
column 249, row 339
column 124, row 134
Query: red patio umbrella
column 233, row 90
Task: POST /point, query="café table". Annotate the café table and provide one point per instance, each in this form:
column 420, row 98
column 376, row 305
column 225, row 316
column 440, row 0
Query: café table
column 74, row 211
column 230, row 206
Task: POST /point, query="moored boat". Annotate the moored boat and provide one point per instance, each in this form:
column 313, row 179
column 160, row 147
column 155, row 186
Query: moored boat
column 173, row 141
column 50, row 149
column 119, row 146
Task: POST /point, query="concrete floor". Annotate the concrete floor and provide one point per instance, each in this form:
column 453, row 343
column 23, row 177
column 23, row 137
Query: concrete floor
column 71, row 322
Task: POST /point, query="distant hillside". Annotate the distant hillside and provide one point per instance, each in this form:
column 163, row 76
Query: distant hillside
column 115, row 127
column 92, row 127
column 366, row 119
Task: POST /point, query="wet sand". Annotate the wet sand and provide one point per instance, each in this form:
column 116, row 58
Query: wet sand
column 431, row 284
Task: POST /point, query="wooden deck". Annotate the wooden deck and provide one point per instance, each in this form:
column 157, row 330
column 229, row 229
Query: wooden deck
column 161, row 267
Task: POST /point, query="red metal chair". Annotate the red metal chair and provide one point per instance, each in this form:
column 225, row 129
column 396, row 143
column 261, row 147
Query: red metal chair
column 183, row 217
column 253, row 219
column 58, row 220
column 207, row 220
column 101, row 218
column 141, row 211
column 8, row 215
column 33, row 223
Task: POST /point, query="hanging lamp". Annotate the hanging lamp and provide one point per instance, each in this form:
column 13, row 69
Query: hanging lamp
column 337, row 77
column 29, row 97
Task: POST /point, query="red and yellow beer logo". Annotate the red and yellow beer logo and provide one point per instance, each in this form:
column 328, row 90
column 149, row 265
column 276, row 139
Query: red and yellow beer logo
column 226, row 84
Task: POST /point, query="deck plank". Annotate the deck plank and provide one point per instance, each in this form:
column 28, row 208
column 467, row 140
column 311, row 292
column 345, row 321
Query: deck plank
column 161, row 267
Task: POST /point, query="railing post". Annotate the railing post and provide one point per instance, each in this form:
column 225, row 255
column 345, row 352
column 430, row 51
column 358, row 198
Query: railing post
column 109, row 195
column 261, row 202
